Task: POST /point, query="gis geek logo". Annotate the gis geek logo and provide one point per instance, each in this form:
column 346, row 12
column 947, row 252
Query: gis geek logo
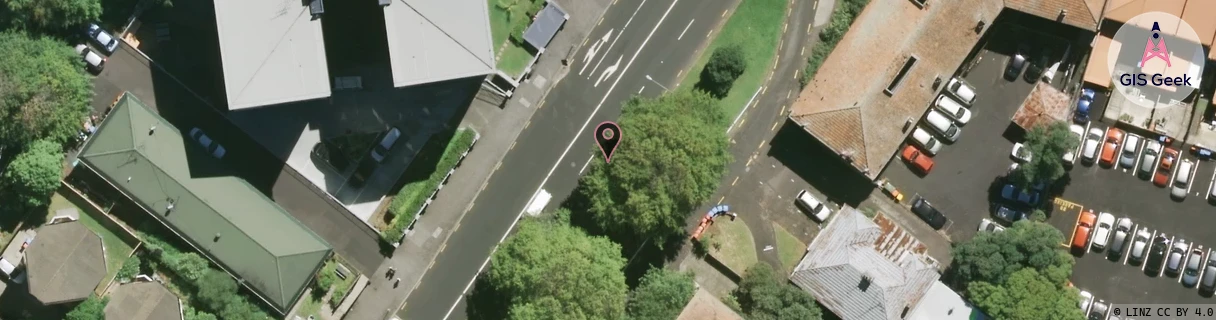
column 1168, row 68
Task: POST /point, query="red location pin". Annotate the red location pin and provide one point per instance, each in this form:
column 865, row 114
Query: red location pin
column 608, row 137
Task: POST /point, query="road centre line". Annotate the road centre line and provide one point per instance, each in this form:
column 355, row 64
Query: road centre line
column 577, row 134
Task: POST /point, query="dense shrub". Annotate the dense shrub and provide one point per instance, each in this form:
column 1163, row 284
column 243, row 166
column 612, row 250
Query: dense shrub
column 130, row 268
column 93, row 308
column 213, row 290
column 423, row 181
column 725, row 65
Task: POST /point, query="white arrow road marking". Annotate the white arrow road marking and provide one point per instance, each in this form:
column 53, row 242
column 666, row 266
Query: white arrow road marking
column 609, row 71
column 595, row 47
column 618, row 37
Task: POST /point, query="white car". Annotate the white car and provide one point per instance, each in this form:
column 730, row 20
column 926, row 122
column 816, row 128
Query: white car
column 987, row 225
column 926, row 141
column 1086, row 299
column 1089, row 151
column 1105, row 223
column 92, row 60
column 952, row 109
column 214, row 149
column 1077, row 132
column 943, row 125
column 965, row 92
column 1182, row 179
column 1021, row 153
column 816, row 208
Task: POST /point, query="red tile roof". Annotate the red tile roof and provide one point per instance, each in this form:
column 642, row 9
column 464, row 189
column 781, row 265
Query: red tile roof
column 1044, row 105
column 1078, row 13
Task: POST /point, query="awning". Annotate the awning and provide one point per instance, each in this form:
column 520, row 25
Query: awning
column 1096, row 72
column 545, row 26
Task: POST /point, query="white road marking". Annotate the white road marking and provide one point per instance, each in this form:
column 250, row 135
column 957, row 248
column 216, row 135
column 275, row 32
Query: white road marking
column 1211, row 182
column 1139, row 154
column 584, row 169
column 609, row 71
column 577, row 134
column 685, row 29
column 749, row 102
column 1148, row 249
column 1186, row 255
column 618, row 37
column 640, row 89
column 1190, row 177
column 591, row 51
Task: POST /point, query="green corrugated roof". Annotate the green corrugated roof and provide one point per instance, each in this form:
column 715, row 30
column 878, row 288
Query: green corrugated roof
column 257, row 240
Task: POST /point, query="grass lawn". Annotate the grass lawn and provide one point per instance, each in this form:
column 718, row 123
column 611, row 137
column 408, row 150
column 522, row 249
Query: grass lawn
column 310, row 307
column 756, row 27
column 731, row 243
column 117, row 250
column 512, row 58
column 789, row 249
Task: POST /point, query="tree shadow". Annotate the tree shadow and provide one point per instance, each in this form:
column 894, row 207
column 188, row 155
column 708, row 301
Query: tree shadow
column 484, row 302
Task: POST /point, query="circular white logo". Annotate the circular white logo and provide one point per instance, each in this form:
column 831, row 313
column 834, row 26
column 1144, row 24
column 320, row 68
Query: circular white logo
column 1155, row 60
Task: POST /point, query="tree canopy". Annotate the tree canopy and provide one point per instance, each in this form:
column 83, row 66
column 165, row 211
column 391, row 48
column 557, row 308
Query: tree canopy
column 554, row 271
column 1026, row 295
column 661, row 295
column 44, row 91
column 1047, row 146
column 725, row 65
column 93, row 308
column 34, row 174
column 672, row 161
column 993, row 256
column 49, row 14
column 762, row 296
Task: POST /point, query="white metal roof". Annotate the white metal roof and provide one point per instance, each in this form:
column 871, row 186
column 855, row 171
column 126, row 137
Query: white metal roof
column 431, row 41
column 273, row 52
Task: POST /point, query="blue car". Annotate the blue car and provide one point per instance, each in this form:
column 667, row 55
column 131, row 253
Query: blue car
column 1082, row 113
column 1024, row 197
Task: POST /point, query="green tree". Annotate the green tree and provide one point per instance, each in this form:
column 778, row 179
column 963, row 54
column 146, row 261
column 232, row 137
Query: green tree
column 1026, row 295
column 130, row 268
column 992, row 256
column 195, row 314
column 239, row 308
column 93, row 308
column 672, row 161
column 34, row 174
column 49, row 14
column 1047, row 146
column 44, row 92
column 725, row 65
column 553, row 271
column 661, row 295
column 214, row 290
column 763, row 296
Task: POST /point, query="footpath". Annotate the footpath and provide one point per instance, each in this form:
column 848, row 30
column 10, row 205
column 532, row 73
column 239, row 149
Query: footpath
column 499, row 123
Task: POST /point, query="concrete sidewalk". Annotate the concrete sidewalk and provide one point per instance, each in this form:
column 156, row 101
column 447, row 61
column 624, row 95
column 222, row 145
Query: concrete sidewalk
column 499, row 124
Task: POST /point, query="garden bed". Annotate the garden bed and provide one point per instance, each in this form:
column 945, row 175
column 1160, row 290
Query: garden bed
column 511, row 54
column 426, row 174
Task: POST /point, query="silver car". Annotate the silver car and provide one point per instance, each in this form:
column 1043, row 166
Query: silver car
column 1194, row 260
column 1173, row 262
column 1131, row 145
column 1148, row 160
column 1139, row 247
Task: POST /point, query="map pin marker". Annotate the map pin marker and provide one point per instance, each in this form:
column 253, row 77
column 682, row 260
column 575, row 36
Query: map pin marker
column 608, row 137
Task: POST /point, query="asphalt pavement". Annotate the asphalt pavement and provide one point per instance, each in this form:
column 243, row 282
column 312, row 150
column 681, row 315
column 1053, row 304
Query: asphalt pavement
column 658, row 38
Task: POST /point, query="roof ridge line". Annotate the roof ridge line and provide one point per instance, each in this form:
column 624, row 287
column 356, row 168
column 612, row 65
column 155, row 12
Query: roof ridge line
column 445, row 33
column 267, row 58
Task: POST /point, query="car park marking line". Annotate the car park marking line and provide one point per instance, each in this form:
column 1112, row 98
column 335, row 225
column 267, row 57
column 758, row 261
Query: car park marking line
column 1127, row 251
column 1186, row 256
column 1190, row 176
column 1074, row 232
column 1139, row 153
column 1211, row 182
column 1066, row 205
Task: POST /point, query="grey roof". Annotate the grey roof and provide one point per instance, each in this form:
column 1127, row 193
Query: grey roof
column 143, row 301
column 65, row 262
column 219, row 214
column 860, row 269
column 547, row 22
column 273, row 52
column 431, row 41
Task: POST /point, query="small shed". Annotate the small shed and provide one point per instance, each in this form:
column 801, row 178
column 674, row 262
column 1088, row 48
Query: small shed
column 143, row 301
column 65, row 263
column 705, row 306
column 1044, row 105
column 545, row 26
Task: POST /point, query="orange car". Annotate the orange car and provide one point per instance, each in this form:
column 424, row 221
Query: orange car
column 1111, row 147
column 1162, row 177
column 1080, row 239
column 917, row 159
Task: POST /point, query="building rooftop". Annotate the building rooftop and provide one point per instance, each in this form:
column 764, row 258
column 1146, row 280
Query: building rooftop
column 273, row 52
column 225, row 218
column 65, row 263
column 705, row 306
column 942, row 303
column 1196, row 13
column 431, row 41
column 143, row 301
column 1044, row 105
column 1078, row 13
column 863, row 269
column 868, row 123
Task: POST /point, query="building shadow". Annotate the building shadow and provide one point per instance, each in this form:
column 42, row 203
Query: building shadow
column 811, row 160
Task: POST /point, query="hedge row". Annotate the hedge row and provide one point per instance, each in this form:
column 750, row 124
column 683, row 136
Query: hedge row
column 842, row 18
column 423, row 181
column 191, row 269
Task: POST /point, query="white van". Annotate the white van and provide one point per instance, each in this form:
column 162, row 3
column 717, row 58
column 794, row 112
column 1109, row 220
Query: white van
column 926, row 141
column 942, row 124
column 965, row 92
column 952, row 109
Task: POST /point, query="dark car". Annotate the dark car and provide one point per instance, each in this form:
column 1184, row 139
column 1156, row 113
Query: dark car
column 1156, row 255
column 1207, row 285
column 1016, row 63
column 1009, row 215
column 1099, row 310
column 927, row 212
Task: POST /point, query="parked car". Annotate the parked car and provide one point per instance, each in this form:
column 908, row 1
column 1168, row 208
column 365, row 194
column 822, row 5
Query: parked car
column 1036, row 68
column 1135, row 256
column 1016, row 63
column 961, row 90
column 1099, row 310
column 381, row 149
column 926, row 141
column 1190, row 273
column 1010, row 215
column 1118, row 242
column 1081, row 115
column 1173, row 262
column 1024, row 197
column 1148, row 159
column 943, row 125
column 102, row 38
column 1182, row 179
column 1085, row 224
column 1207, row 285
column 952, row 109
column 1077, row 132
column 818, row 210
column 1089, row 150
column 213, row 148
column 1131, row 145
column 916, row 159
column 1162, row 177
column 987, row 225
column 1021, row 153
column 1087, row 299
column 1156, row 255
column 1102, row 231
column 93, row 61
column 923, row 209
column 1111, row 146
